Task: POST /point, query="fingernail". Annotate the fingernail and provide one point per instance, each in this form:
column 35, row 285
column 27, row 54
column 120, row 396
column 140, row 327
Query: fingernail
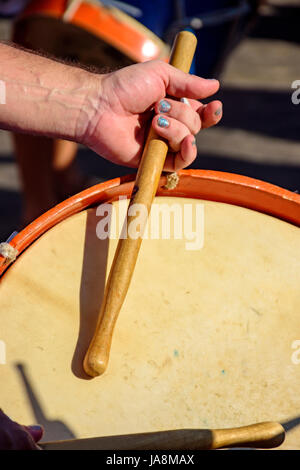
column 219, row 111
column 212, row 79
column 164, row 106
column 163, row 122
column 194, row 142
column 35, row 427
column 35, row 431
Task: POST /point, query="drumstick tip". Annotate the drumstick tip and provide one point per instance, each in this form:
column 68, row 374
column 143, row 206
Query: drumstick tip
column 93, row 365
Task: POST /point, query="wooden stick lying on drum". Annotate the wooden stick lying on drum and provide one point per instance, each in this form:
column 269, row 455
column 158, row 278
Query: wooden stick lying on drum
column 145, row 188
column 262, row 436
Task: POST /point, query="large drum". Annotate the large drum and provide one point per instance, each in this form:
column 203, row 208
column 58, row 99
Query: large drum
column 208, row 334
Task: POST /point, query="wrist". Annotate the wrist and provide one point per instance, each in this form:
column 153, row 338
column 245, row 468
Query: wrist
column 90, row 110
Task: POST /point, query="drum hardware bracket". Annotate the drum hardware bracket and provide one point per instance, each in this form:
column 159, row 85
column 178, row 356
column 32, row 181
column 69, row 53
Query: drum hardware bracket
column 126, row 7
column 213, row 19
column 8, row 252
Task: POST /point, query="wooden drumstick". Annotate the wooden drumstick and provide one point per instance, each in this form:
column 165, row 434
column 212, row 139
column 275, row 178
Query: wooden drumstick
column 145, row 188
column 262, row 435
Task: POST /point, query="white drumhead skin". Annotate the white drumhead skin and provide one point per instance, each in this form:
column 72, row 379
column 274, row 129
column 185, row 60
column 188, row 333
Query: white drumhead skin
column 204, row 339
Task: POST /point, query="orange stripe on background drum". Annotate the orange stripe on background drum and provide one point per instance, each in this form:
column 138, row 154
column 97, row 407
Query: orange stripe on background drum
column 110, row 24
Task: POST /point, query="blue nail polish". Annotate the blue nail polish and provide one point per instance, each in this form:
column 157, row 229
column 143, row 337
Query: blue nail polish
column 163, row 122
column 219, row 111
column 35, row 427
column 164, row 106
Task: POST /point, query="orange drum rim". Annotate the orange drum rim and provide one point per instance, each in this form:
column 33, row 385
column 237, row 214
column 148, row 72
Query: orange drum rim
column 198, row 184
column 131, row 37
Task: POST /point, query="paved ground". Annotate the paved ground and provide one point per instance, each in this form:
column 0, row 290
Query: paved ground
column 259, row 135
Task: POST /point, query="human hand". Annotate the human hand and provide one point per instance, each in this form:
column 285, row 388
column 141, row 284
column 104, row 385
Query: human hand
column 14, row 436
column 117, row 129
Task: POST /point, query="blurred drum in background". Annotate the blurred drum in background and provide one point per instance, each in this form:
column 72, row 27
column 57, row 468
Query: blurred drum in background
column 88, row 33
column 93, row 32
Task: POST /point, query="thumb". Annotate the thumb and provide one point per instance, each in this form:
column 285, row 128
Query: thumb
column 179, row 84
column 36, row 432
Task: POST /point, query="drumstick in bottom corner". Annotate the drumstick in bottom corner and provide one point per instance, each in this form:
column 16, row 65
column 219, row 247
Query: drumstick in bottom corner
column 147, row 180
column 266, row 435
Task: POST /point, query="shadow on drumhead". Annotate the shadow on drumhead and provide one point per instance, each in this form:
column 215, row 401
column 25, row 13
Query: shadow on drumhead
column 91, row 290
column 53, row 429
column 291, row 424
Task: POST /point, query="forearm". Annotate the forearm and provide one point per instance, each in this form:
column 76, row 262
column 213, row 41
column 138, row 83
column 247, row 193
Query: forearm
column 45, row 97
